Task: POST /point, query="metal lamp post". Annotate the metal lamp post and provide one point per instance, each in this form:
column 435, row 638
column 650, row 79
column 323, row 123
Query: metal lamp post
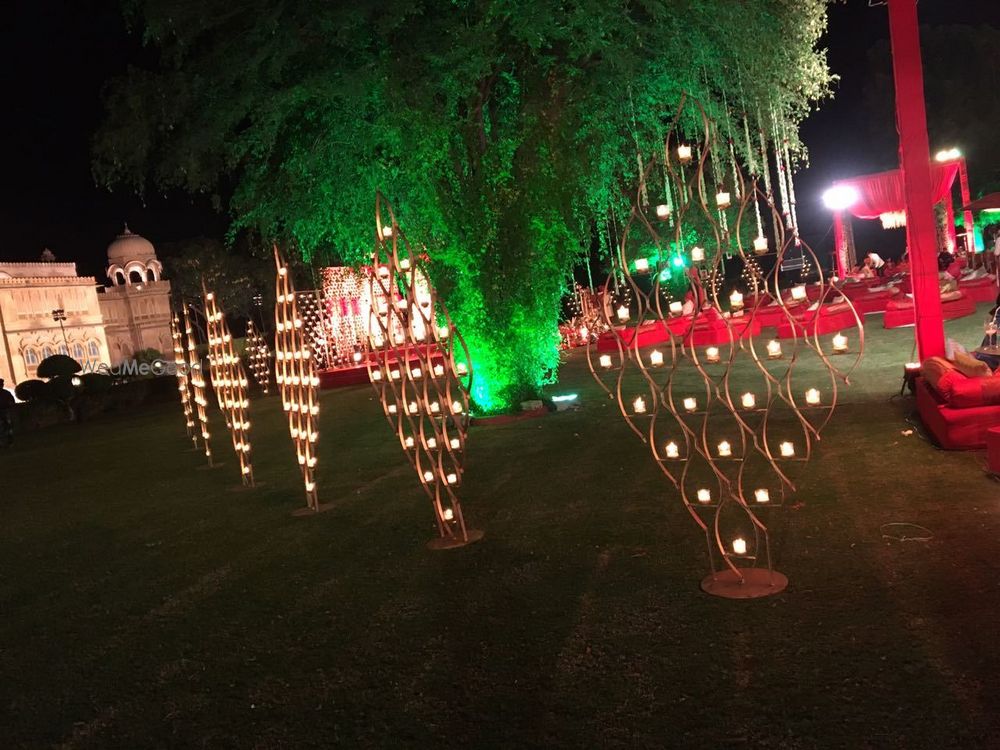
column 59, row 315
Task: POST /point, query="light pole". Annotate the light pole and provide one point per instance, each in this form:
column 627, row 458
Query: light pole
column 59, row 315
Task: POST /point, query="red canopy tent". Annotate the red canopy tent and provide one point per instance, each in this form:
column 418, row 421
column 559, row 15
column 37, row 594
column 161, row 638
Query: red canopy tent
column 880, row 195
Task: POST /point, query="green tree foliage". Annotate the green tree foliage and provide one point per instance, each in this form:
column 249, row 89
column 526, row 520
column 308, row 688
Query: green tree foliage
column 58, row 365
column 501, row 131
column 960, row 113
column 62, row 385
column 236, row 277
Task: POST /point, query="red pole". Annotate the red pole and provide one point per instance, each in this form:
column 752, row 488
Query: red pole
column 963, row 181
column 949, row 212
column 915, row 165
column 840, row 244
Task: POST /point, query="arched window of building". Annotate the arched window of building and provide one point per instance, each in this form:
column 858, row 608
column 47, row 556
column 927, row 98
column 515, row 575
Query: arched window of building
column 135, row 276
column 46, row 352
column 120, row 276
column 31, row 357
column 151, row 274
column 93, row 349
column 63, row 350
column 78, row 352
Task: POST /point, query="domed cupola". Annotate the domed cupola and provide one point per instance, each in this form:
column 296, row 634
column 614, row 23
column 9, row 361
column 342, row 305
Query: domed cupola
column 132, row 260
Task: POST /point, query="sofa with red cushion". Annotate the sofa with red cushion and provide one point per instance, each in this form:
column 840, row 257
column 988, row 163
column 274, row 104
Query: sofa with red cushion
column 899, row 311
column 956, row 409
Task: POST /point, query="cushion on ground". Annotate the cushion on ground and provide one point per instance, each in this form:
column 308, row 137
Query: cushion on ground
column 957, row 390
column 827, row 319
column 650, row 333
column 899, row 311
column 982, row 289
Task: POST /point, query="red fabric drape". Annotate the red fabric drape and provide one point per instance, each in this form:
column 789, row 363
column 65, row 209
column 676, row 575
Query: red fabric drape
column 883, row 192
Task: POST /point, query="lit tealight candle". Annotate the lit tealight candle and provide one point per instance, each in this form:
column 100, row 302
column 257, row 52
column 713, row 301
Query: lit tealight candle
column 408, row 442
column 443, row 332
column 356, row 356
column 840, row 343
column 448, row 514
column 684, row 153
column 676, row 308
column 431, row 443
column 697, row 254
column 387, row 231
column 439, row 370
column 812, row 396
column 690, row 404
column 456, row 407
column 762, row 495
column 455, row 443
column 712, row 354
column 739, row 546
column 656, row 358
column 391, row 408
column 704, row 496
column 749, row 401
column 639, row 405
column 722, row 199
column 461, row 368
column 912, row 366
column 641, row 265
column 725, row 449
column 417, row 372
column 404, row 263
column 605, row 361
column 799, row 292
column 773, row 348
column 787, row 449
column 428, row 476
column 623, row 313
column 672, row 450
column 452, row 478
column 736, row 301
column 760, row 245
column 662, row 211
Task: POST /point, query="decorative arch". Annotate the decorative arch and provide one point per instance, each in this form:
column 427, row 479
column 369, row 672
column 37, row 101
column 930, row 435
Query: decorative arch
column 135, row 272
column 116, row 275
column 154, row 270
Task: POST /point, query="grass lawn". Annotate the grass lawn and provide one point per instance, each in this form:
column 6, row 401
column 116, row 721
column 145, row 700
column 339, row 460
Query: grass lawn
column 145, row 603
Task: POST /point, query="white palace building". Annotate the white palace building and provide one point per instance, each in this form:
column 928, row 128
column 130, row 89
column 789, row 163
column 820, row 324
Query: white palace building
column 101, row 325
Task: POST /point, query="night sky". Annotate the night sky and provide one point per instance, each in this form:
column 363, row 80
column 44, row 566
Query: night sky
column 57, row 54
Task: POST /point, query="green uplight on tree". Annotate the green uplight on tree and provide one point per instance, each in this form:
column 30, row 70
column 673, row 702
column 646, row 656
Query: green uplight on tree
column 500, row 150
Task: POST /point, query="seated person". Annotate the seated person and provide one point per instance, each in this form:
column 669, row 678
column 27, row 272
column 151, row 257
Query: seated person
column 988, row 351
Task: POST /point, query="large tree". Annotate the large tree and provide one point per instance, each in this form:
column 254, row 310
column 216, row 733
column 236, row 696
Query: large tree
column 503, row 131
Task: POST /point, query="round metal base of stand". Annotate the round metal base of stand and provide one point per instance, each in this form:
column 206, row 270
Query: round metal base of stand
column 307, row 511
column 755, row 583
column 472, row 535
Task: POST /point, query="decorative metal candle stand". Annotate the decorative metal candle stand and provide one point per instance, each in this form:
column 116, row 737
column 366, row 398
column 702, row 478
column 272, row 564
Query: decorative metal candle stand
column 183, row 386
column 230, row 384
column 295, row 373
column 727, row 452
column 420, row 369
column 197, row 377
column 258, row 357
